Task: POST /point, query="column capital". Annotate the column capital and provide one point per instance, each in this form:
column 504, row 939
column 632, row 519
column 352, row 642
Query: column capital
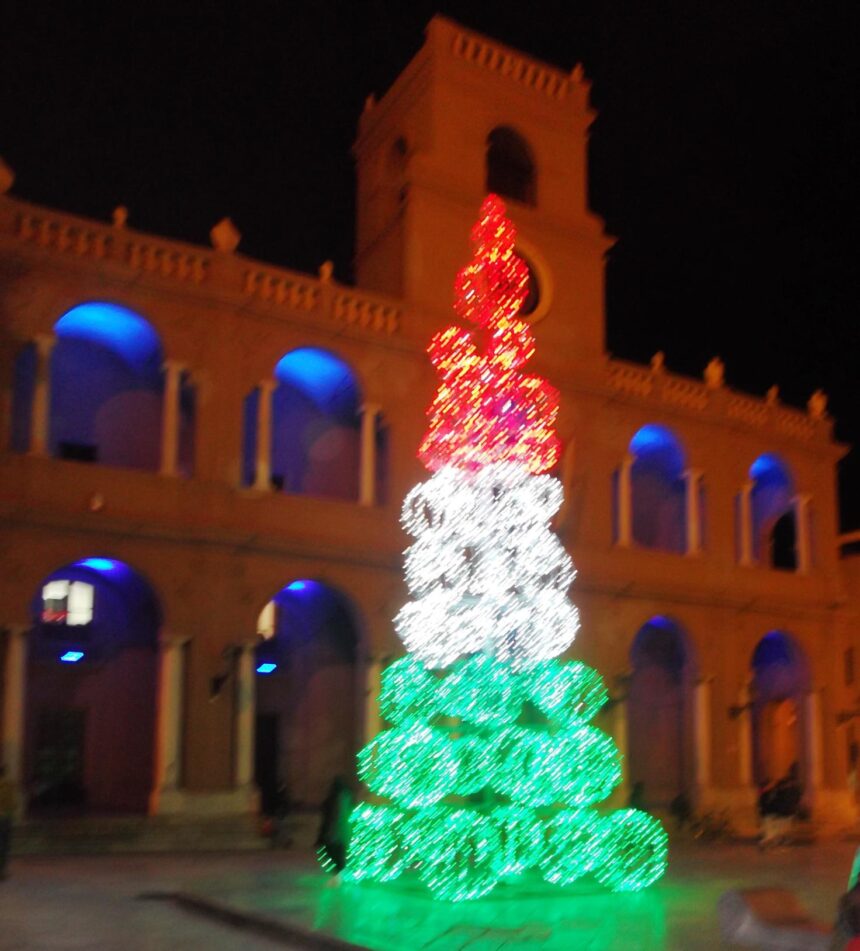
column 268, row 385
column 802, row 498
column 166, row 641
column 370, row 409
column 45, row 343
column 173, row 366
column 693, row 473
column 748, row 486
column 628, row 461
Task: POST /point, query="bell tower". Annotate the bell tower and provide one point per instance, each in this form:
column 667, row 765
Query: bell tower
column 465, row 117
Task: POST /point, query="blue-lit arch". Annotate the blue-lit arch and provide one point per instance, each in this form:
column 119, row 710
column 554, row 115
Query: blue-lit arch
column 658, row 488
column 781, row 680
column 114, row 328
column 308, row 692
column 107, row 390
column 658, row 703
column 772, row 511
column 98, row 675
column 315, row 426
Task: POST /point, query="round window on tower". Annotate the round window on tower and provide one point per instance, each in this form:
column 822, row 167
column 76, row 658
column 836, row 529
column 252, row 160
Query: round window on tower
column 536, row 305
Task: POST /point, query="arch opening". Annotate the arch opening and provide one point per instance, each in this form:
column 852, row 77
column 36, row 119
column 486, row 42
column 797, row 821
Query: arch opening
column 658, row 489
column 308, row 723
column 91, row 690
column 315, row 426
column 659, row 712
column 774, row 529
column 510, row 168
column 780, row 683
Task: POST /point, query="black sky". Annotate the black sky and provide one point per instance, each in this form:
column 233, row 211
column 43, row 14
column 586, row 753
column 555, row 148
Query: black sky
column 724, row 157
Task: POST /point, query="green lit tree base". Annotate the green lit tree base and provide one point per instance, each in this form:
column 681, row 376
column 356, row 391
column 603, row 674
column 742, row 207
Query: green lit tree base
column 492, row 771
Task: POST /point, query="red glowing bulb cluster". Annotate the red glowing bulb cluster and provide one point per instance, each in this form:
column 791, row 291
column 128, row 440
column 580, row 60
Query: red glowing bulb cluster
column 486, row 410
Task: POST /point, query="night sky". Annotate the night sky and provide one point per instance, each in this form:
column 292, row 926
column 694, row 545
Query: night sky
column 724, row 157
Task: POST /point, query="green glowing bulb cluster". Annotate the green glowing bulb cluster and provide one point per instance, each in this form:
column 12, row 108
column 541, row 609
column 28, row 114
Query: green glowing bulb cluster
column 493, row 770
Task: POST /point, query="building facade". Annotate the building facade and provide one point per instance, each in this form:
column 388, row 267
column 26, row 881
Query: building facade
column 203, row 460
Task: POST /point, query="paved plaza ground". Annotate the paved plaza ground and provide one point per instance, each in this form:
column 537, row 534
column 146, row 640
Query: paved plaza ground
column 94, row 903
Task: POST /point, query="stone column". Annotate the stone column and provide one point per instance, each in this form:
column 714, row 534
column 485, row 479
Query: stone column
column 367, row 473
column 40, row 415
column 170, row 417
column 263, row 467
column 803, row 552
column 702, row 737
column 625, row 502
column 245, row 712
column 745, row 747
column 692, row 481
column 372, row 687
column 746, row 539
column 812, row 724
column 14, row 698
column 169, row 716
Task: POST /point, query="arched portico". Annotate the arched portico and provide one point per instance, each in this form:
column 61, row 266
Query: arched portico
column 90, row 690
column 308, row 431
column 99, row 389
column 784, row 711
column 660, row 713
column 309, row 696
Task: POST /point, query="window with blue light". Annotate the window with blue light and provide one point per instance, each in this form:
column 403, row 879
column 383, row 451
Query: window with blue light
column 658, row 489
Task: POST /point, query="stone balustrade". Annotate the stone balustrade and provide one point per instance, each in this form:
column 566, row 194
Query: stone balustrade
column 176, row 261
column 639, row 381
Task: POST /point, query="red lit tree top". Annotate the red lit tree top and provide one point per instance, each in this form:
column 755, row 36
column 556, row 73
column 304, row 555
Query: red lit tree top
column 486, row 410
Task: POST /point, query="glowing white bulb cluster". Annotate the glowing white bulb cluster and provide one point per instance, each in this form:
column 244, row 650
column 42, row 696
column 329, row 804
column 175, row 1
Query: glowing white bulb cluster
column 486, row 571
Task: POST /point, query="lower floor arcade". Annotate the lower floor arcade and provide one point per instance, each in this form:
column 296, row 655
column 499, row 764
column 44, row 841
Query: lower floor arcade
column 111, row 704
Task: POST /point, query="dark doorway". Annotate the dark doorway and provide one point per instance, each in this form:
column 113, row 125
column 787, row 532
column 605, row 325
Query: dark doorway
column 58, row 768
column 266, row 755
column 783, row 545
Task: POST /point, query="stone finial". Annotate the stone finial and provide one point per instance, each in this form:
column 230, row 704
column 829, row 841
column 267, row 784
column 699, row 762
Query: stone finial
column 772, row 395
column 715, row 373
column 658, row 362
column 7, row 177
column 369, row 102
column 225, row 236
column 326, row 270
column 119, row 216
column 817, row 405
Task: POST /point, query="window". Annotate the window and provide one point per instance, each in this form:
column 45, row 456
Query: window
column 510, row 167
column 67, row 602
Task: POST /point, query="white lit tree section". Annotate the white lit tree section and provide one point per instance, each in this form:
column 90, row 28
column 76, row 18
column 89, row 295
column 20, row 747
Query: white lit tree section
column 491, row 766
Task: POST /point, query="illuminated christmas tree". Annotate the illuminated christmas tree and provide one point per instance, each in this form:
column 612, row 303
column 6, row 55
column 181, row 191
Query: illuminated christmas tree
column 491, row 766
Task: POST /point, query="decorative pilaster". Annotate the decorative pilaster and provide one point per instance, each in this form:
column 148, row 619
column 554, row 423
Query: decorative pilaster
column 243, row 768
column 263, row 466
column 625, row 502
column 173, row 370
column 40, row 416
column 168, row 731
column 745, row 751
column 693, row 482
column 745, row 513
column 803, row 549
column 372, row 688
column 367, row 472
column 812, row 703
column 14, row 689
column 702, row 744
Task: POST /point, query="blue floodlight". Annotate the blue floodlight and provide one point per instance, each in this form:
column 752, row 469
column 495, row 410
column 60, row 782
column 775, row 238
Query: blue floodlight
column 266, row 668
column 72, row 657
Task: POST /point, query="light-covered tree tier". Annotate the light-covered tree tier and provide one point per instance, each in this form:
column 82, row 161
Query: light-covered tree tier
column 493, row 770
